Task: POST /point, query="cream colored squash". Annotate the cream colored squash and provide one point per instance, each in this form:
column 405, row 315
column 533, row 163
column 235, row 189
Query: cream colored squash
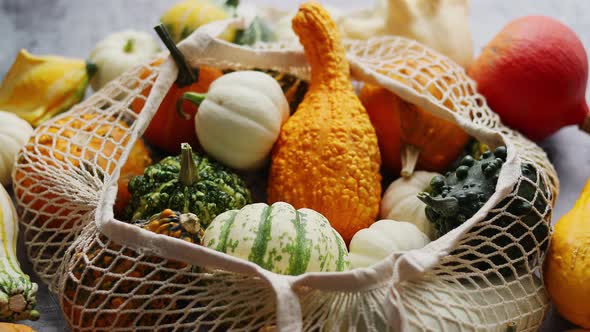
column 401, row 203
column 370, row 245
column 279, row 238
column 14, row 133
column 240, row 118
column 119, row 52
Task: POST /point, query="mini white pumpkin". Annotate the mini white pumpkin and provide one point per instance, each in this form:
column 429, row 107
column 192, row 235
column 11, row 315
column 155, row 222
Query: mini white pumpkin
column 400, row 201
column 370, row 245
column 14, row 133
column 119, row 52
column 279, row 239
column 240, row 118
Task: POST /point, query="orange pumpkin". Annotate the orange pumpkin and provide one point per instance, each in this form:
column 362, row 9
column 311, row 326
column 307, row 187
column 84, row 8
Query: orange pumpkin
column 10, row 327
column 55, row 142
column 378, row 103
column 168, row 129
column 424, row 140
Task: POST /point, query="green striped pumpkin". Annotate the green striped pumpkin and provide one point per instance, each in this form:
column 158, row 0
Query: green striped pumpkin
column 17, row 292
column 279, row 239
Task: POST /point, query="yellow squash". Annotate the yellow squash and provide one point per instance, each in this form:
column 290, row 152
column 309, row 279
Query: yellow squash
column 567, row 267
column 327, row 158
column 186, row 16
column 37, row 88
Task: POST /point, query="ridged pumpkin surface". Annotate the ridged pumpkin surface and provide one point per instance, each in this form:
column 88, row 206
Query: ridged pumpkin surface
column 327, row 158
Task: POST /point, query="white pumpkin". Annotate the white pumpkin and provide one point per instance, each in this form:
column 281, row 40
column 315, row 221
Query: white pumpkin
column 400, row 201
column 14, row 133
column 119, row 52
column 370, row 245
column 279, row 239
column 240, row 118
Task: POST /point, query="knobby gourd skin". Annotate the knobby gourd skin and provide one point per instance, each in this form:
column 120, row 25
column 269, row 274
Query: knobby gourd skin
column 327, row 158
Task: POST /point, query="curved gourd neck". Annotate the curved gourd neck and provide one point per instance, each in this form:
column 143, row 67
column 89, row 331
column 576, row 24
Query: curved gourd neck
column 323, row 49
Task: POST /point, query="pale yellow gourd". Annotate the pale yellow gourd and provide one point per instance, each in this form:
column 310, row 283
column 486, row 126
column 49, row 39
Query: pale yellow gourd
column 14, row 133
column 440, row 24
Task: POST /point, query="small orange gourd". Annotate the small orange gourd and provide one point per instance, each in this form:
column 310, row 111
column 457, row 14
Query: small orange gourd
column 327, row 158
column 567, row 266
column 425, row 140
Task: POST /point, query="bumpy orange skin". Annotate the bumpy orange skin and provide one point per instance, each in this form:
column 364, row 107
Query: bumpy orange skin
column 567, row 266
column 327, row 157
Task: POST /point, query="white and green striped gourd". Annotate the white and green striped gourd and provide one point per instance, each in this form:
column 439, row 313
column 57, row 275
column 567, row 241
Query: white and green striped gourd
column 17, row 292
column 279, row 238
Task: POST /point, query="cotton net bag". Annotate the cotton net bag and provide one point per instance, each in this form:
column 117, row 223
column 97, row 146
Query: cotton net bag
column 115, row 276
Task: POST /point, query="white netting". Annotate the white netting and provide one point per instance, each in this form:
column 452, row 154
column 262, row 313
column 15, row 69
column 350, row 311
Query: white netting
column 117, row 276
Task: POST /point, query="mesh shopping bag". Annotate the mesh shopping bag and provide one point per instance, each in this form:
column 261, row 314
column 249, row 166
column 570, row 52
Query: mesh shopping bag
column 116, row 276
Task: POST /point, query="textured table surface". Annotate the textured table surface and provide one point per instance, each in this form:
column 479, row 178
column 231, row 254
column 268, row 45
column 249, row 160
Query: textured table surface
column 72, row 28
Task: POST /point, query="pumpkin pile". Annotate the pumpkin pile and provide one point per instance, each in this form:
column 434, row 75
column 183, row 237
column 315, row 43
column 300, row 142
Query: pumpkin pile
column 323, row 153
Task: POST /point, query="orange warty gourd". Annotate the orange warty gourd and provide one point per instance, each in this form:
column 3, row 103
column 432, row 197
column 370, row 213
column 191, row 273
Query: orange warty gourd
column 567, row 266
column 327, row 157
column 424, row 140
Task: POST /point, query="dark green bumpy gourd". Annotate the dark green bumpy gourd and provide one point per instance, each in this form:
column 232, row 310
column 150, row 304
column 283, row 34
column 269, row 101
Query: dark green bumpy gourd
column 188, row 183
column 457, row 196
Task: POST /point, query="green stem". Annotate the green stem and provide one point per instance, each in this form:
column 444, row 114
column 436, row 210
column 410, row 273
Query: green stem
column 189, row 173
column 186, row 75
column 91, row 69
column 232, row 3
column 128, row 48
column 193, row 97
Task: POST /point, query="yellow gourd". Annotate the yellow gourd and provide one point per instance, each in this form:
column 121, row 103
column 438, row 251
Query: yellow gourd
column 186, row 16
column 327, row 157
column 567, row 267
column 37, row 88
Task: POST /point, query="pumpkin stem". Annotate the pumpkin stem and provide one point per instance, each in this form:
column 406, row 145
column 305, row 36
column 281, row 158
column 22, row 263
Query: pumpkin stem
column 448, row 206
column 410, row 155
column 511, row 327
column 193, row 97
column 186, row 75
column 233, row 4
column 189, row 173
column 129, row 45
column 91, row 69
column 190, row 223
column 585, row 125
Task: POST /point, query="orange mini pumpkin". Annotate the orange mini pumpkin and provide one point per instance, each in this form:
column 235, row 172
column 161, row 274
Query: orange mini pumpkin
column 168, row 129
column 422, row 139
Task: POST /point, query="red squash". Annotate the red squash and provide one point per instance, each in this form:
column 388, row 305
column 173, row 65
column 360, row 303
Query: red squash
column 533, row 73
